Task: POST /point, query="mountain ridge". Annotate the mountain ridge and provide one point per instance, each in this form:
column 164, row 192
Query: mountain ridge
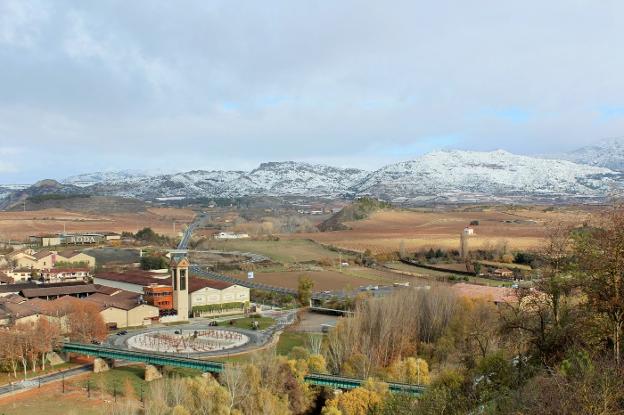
column 444, row 175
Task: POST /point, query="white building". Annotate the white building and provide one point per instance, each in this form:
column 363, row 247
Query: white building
column 468, row 230
column 231, row 235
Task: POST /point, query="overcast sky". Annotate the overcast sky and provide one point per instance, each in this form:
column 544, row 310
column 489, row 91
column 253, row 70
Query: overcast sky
column 177, row 85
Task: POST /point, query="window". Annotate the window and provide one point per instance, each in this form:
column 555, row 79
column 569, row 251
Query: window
column 182, row 282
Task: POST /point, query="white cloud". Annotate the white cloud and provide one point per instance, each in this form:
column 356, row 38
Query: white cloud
column 19, row 22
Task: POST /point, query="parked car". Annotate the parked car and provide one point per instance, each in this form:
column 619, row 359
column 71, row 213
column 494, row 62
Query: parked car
column 122, row 332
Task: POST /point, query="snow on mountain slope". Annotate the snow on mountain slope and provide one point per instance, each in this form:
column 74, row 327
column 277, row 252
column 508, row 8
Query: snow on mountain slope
column 607, row 153
column 438, row 174
column 295, row 178
column 494, row 173
column 117, row 176
column 271, row 179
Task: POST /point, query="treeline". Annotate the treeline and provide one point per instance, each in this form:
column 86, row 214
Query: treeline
column 552, row 349
column 56, row 196
column 147, row 235
column 27, row 345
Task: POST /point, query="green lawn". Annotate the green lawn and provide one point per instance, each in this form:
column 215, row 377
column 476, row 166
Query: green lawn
column 284, row 251
column 245, row 323
column 288, row 340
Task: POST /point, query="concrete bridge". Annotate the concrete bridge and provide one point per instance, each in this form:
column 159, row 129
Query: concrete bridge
column 155, row 361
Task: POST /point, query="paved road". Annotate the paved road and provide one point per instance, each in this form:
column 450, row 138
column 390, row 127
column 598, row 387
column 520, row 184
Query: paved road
column 34, row 383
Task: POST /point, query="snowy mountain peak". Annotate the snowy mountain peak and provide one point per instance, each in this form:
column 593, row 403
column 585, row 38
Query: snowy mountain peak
column 445, row 174
column 608, row 153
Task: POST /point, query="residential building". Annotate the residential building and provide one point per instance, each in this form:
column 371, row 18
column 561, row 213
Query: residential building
column 64, row 274
column 124, row 309
column 5, row 279
column 19, row 274
column 76, row 257
column 159, row 295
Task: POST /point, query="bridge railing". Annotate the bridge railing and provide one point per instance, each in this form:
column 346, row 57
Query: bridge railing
column 154, row 358
column 340, row 382
column 160, row 359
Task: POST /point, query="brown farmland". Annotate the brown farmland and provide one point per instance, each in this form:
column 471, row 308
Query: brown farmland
column 20, row 225
column 518, row 229
column 327, row 279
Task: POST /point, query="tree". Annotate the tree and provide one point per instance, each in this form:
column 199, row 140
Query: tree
column 154, row 262
column 600, row 254
column 233, row 377
column 85, row 323
column 410, row 370
column 47, row 338
column 359, row 401
column 304, row 290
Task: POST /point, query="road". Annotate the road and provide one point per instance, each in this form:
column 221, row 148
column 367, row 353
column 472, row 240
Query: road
column 52, row 377
column 249, row 283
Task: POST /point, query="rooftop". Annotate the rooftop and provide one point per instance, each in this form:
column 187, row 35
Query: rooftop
column 146, row 278
column 59, row 291
column 124, row 300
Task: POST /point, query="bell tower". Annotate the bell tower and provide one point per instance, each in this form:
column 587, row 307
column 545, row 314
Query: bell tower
column 179, row 281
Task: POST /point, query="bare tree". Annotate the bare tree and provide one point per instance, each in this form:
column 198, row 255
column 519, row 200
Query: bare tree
column 314, row 343
column 233, row 377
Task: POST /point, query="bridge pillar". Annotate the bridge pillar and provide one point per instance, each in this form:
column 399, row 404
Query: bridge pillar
column 152, row 373
column 101, row 365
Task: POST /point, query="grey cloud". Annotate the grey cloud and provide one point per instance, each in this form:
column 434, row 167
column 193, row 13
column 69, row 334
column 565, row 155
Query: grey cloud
column 232, row 83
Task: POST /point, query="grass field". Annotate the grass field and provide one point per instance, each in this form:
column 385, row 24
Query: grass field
column 288, row 340
column 245, row 323
column 284, row 251
column 347, row 279
column 384, row 231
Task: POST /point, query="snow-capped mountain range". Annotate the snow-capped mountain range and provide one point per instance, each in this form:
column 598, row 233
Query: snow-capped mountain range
column 607, row 153
column 441, row 175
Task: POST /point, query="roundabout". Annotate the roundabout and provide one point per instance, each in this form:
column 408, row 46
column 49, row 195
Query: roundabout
column 206, row 340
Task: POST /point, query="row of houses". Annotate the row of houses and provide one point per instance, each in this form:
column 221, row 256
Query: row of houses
column 118, row 308
column 132, row 298
column 46, row 259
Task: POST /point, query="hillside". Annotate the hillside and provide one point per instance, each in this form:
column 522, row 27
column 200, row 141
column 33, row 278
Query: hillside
column 607, row 153
column 438, row 177
column 472, row 174
column 358, row 210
